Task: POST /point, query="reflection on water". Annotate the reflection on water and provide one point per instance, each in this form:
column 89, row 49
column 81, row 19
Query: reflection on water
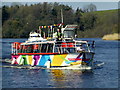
column 59, row 78
column 67, row 78
column 36, row 78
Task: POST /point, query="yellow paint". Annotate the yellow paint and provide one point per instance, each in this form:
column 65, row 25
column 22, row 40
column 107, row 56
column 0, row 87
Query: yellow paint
column 76, row 63
column 30, row 59
column 58, row 60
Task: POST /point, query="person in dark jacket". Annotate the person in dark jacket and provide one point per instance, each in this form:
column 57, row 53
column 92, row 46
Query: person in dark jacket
column 59, row 38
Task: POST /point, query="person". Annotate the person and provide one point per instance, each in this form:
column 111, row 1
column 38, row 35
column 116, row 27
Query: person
column 59, row 34
column 59, row 39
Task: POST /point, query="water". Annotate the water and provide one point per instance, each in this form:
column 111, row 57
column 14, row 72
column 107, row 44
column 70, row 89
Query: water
column 103, row 77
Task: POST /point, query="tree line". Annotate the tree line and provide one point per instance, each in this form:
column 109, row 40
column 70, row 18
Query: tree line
column 19, row 20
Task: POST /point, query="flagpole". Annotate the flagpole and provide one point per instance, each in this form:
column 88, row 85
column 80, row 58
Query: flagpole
column 61, row 16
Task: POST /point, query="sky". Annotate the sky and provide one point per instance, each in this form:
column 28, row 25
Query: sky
column 60, row 0
column 100, row 4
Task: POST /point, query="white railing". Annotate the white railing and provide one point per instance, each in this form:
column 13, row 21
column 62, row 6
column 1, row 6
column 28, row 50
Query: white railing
column 60, row 48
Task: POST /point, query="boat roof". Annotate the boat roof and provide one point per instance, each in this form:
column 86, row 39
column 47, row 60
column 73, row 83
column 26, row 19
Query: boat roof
column 34, row 34
column 29, row 43
column 70, row 27
column 52, row 42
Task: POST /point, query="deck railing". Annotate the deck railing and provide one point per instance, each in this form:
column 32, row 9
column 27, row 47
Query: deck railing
column 59, row 47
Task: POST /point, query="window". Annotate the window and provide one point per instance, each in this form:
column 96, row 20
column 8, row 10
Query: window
column 50, row 48
column 43, row 48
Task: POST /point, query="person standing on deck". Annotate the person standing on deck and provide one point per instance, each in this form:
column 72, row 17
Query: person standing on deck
column 59, row 35
column 59, row 38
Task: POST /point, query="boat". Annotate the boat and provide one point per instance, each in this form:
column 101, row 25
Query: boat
column 53, row 53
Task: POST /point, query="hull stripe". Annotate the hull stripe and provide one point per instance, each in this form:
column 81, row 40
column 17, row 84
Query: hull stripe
column 75, row 59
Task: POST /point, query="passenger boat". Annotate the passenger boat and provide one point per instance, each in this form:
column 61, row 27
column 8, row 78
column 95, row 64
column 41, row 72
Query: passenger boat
column 68, row 51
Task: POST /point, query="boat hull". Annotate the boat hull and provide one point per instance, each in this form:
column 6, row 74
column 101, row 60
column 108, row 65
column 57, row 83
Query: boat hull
column 85, row 58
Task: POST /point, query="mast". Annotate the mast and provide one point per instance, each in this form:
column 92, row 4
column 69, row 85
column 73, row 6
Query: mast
column 40, row 30
column 61, row 16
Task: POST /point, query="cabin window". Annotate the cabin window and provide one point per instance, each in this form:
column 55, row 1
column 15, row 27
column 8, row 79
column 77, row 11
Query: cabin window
column 57, row 49
column 50, row 48
column 81, row 47
column 43, row 48
column 69, row 33
column 65, row 48
column 39, row 48
column 36, row 48
column 25, row 49
column 29, row 49
column 71, row 50
column 46, row 48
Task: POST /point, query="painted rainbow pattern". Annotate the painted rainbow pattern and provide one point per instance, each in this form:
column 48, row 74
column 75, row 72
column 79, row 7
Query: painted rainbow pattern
column 55, row 60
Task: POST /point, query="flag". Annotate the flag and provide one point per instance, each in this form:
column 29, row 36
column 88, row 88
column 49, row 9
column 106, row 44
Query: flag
column 40, row 26
column 49, row 26
column 44, row 26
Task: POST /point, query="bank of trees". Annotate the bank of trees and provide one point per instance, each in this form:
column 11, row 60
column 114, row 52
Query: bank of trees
column 18, row 21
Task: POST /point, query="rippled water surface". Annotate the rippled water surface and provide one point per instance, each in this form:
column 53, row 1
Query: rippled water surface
column 103, row 77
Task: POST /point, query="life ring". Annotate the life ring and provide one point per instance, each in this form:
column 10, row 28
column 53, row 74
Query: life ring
column 64, row 44
column 70, row 44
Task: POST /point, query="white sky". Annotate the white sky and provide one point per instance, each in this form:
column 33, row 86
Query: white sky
column 59, row 0
column 100, row 4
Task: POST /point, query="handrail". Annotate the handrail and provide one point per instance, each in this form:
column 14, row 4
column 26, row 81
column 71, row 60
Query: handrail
column 59, row 46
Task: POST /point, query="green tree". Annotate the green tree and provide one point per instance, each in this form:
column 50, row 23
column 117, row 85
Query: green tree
column 5, row 14
column 78, row 16
column 89, row 20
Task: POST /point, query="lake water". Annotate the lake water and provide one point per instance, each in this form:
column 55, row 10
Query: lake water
column 103, row 77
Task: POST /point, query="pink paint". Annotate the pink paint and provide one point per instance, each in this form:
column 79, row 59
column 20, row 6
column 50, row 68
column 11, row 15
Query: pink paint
column 15, row 57
column 36, row 58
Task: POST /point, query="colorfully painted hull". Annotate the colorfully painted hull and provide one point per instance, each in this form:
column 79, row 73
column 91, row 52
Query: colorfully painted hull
column 55, row 60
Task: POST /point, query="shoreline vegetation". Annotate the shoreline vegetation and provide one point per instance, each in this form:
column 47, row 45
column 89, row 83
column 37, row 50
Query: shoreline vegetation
column 115, row 36
column 19, row 20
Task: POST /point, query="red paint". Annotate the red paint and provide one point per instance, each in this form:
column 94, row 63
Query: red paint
column 70, row 44
column 64, row 44
column 16, row 45
column 37, row 53
column 15, row 62
column 35, row 46
column 74, row 59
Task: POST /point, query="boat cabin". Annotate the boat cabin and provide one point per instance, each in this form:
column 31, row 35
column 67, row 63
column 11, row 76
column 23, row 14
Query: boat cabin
column 69, row 31
column 35, row 37
column 50, row 47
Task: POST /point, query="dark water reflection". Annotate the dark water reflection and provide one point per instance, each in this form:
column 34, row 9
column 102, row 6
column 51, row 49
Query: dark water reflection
column 104, row 77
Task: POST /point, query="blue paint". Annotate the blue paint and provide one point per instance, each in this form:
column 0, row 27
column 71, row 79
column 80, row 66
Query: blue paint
column 43, row 60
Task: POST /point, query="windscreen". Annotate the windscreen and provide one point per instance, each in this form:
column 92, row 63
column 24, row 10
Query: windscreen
column 69, row 34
